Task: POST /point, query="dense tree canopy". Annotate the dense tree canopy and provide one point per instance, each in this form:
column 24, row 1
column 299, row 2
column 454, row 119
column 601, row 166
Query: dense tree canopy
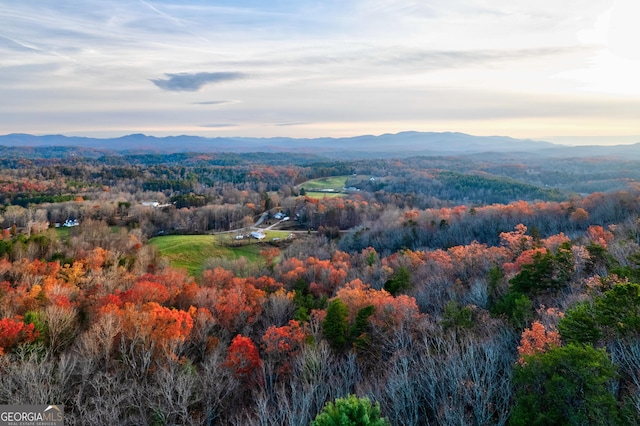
column 449, row 290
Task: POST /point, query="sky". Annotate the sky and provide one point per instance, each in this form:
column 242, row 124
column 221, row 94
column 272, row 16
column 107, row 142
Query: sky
column 562, row 71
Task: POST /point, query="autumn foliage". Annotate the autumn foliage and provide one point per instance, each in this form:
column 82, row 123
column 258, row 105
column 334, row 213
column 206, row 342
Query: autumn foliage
column 153, row 326
column 14, row 332
column 281, row 344
column 243, row 357
column 537, row 339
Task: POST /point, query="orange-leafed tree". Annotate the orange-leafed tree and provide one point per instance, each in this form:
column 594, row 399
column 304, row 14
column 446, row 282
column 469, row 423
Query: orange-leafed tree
column 324, row 276
column 598, row 235
column 175, row 281
column 537, row 339
column 73, row 274
column 475, row 259
column 579, row 215
column 270, row 257
column 383, row 315
column 154, row 326
column 238, row 306
column 291, row 270
column 96, row 258
column 524, row 258
column 357, row 295
column 390, row 311
column 218, row 278
column 517, row 241
column 554, row 241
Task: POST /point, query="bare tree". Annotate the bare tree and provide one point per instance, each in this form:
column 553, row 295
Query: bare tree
column 626, row 354
column 472, row 378
column 61, row 326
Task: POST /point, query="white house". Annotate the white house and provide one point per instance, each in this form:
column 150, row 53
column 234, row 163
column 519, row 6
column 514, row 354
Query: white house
column 71, row 222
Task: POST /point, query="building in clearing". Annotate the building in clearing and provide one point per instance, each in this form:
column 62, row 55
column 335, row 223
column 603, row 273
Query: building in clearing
column 257, row 235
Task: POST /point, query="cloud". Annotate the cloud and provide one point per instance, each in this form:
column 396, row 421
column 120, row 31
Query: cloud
column 192, row 82
column 297, row 123
column 433, row 60
column 20, row 44
column 214, row 102
column 218, row 125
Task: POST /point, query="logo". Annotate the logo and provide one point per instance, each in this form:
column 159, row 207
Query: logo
column 31, row 415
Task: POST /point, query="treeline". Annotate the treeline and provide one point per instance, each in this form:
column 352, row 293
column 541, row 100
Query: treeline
column 193, row 182
column 460, row 225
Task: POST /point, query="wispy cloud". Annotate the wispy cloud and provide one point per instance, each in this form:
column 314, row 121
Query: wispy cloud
column 297, row 123
column 192, row 82
column 214, row 102
column 21, row 44
column 443, row 59
column 217, row 125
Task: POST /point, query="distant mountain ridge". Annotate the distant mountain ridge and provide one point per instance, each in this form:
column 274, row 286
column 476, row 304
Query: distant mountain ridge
column 399, row 145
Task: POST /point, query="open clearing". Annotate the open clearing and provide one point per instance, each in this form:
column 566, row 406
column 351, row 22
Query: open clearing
column 331, row 186
column 192, row 251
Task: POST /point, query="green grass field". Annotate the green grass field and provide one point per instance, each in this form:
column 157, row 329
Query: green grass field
column 331, row 182
column 314, row 187
column 322, row 195
column 192, row 251
column 63, row 232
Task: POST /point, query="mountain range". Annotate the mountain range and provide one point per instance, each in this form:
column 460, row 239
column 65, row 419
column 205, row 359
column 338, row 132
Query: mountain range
column 367, row 146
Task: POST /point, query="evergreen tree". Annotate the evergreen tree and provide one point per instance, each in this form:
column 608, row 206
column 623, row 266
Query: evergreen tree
column 567, row 385
column 336, row 325
column 350, row 411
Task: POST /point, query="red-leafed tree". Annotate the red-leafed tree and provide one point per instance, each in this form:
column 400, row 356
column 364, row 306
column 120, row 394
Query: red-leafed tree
column 280, row 344
column 265, row 283
column 145, row 291
column 243, row 358
column 14, row 332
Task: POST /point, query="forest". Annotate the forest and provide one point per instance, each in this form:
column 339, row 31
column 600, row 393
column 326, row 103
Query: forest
column 497, row 289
